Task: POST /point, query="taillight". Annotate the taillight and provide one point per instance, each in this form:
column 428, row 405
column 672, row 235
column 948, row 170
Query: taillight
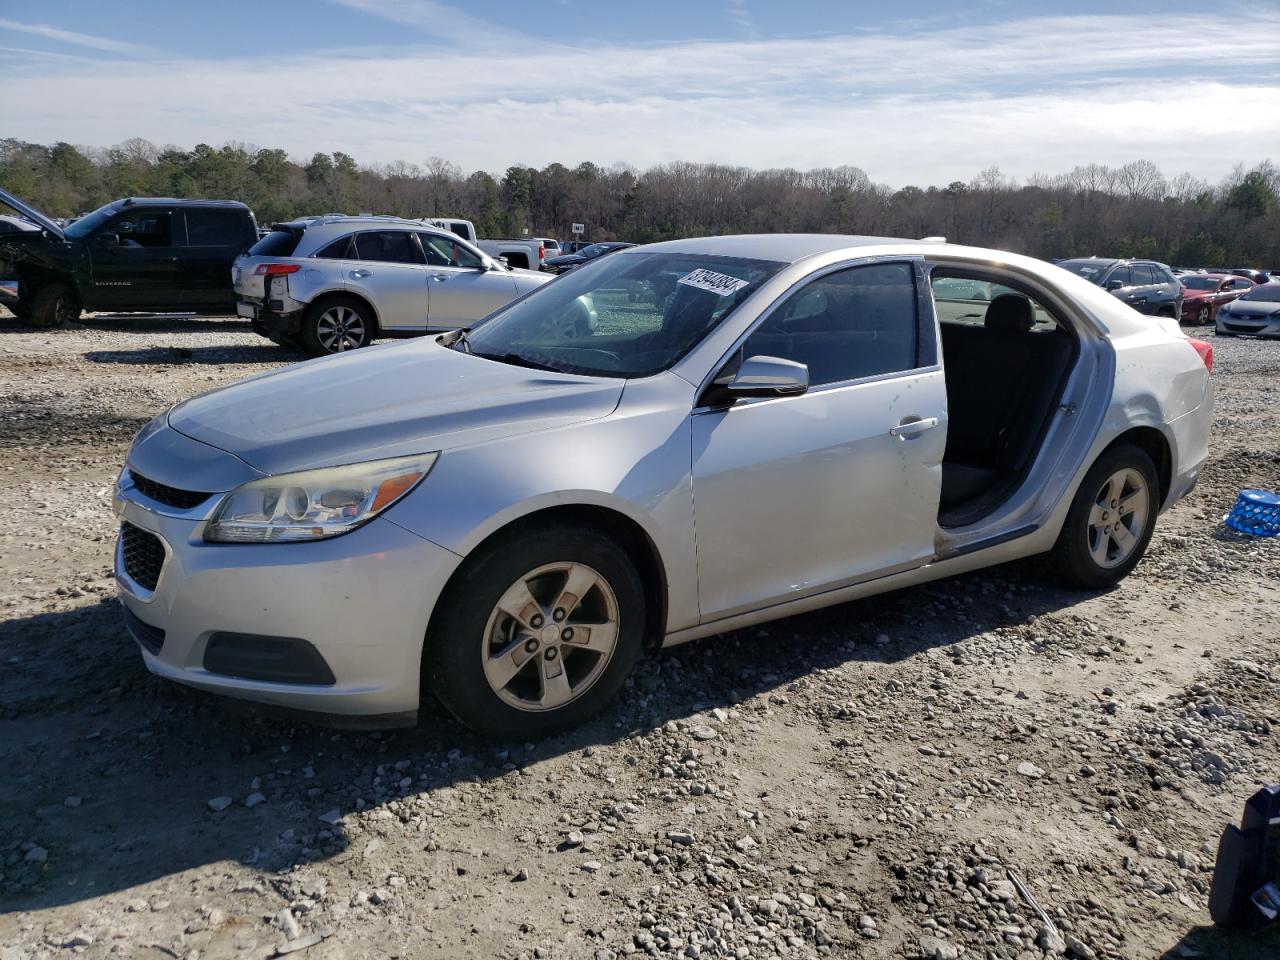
column 542, row 251
column 1206, row 352
column 276, row 269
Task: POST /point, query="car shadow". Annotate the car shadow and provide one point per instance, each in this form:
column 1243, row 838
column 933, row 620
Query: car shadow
column 109, row 770
column 136, row 323
column 265, row 352
column 1212, row 942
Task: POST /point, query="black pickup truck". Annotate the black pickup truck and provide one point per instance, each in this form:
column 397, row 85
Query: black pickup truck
column 138, row 254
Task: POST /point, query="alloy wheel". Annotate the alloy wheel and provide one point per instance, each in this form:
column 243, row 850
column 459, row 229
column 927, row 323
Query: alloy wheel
column 550, row 636
column 1118, row 517
column 1202, row 315
column 340, row 328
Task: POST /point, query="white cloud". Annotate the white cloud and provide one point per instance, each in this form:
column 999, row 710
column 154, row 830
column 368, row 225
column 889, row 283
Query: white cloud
column 77, row 39
column 435, row 19
column 928, row 106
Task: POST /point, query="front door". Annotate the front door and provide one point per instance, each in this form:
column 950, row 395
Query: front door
column 144, row 270
column 797, row 495
column 462, row 291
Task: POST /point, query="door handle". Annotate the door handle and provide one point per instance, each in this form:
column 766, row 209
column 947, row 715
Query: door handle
column 439, row 277
column 170, row 259
column 913, row 427
column 361, row 274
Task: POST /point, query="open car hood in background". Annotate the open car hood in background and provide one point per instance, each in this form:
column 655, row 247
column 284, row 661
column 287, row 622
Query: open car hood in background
column 32, row 214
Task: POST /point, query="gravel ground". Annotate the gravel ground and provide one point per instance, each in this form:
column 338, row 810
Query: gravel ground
column 866, row 781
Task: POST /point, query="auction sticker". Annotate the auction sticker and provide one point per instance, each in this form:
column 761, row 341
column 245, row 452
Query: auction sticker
column 721, row 284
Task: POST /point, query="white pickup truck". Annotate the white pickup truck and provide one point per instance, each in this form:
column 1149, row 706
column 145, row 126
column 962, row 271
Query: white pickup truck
column 527, row 254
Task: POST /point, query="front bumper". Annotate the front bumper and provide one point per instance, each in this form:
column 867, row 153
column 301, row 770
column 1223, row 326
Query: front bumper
column 1264, row 326
column 362, row 601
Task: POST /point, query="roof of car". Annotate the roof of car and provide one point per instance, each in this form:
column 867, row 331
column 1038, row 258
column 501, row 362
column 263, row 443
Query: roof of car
column 307, row 223
column 779, row 247
column 179, row 201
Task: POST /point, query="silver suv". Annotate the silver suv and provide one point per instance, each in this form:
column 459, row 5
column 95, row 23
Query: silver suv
column 334, row 283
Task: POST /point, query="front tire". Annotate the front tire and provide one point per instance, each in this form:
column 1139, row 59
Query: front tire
column 54, row 305
column 1111, row 520
column 1203, row 315
column 336, row 325
column 536, row 633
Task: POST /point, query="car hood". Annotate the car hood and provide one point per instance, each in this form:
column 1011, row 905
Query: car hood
column 386, row 401
column 1251, row 308
column 565, row 259
column 32, row 214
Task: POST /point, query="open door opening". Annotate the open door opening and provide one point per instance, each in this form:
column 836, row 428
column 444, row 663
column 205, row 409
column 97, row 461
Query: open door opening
column 1006, row 359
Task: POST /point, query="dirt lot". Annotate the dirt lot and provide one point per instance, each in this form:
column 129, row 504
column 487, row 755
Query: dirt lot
column 853, row 783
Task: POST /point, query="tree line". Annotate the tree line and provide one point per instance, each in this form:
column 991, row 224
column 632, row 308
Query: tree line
column 1132, row 210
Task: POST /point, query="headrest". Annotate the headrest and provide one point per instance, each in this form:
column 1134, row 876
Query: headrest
column 1009, row 313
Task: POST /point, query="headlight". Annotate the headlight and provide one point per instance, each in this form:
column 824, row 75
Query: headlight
column 314, row 504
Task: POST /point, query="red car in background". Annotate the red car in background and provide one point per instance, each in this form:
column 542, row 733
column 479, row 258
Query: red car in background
column 1204, row 293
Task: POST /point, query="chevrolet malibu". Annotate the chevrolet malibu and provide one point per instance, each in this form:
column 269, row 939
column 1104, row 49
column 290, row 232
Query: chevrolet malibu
column 671, row 442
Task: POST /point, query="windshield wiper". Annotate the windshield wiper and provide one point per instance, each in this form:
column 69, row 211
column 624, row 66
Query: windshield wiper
column 455, row 337
column 517, row 360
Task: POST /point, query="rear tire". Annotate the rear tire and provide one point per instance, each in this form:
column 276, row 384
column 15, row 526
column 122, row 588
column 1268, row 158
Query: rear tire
column 504, row 628
column 337, row 325
column 55, row 305
column 1111, row 520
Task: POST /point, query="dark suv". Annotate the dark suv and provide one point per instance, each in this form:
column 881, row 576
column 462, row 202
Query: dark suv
column 139, row 254
column 1147, row 286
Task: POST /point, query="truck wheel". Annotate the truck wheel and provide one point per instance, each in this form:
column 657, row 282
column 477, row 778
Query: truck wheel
column 336, row 325
column 54, row 306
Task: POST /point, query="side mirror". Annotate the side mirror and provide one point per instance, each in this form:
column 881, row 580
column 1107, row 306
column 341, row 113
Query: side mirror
column 762, row 376
column 1113, row 284
column 110, row 240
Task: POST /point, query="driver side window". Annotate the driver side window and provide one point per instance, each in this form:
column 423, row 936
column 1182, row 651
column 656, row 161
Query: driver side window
column 445, row 252
column 143, row 228
column 859, row 322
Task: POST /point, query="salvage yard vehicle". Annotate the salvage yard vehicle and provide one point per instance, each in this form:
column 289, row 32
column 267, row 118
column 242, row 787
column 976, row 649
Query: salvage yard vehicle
column 752, row 427
column 1203, row 294
column 1256, row 314
column 570, row 261
column 138, row 254
column 333, row 284
column 522, row 254
column 1147, row 286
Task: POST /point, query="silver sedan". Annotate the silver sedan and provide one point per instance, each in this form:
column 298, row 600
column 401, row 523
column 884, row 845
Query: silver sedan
column 671, row 442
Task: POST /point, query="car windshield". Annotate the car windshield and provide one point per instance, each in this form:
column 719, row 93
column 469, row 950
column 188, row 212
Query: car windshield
column 1091, row 270
column 594, row 250
column 1200, row 283
column 1268, row 291
column 90, row 221
column 627, row 315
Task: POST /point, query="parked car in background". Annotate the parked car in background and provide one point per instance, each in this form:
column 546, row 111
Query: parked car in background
column 1257, row 276
column 463, row 228
column 334, row 284
column 9, row 224
column 550, row 247
column 138, row 254
column 1147, row 286
column 1256, row 313
column 565, row 263
column 1204, row 293
column 523, row 254
column 505, row 515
